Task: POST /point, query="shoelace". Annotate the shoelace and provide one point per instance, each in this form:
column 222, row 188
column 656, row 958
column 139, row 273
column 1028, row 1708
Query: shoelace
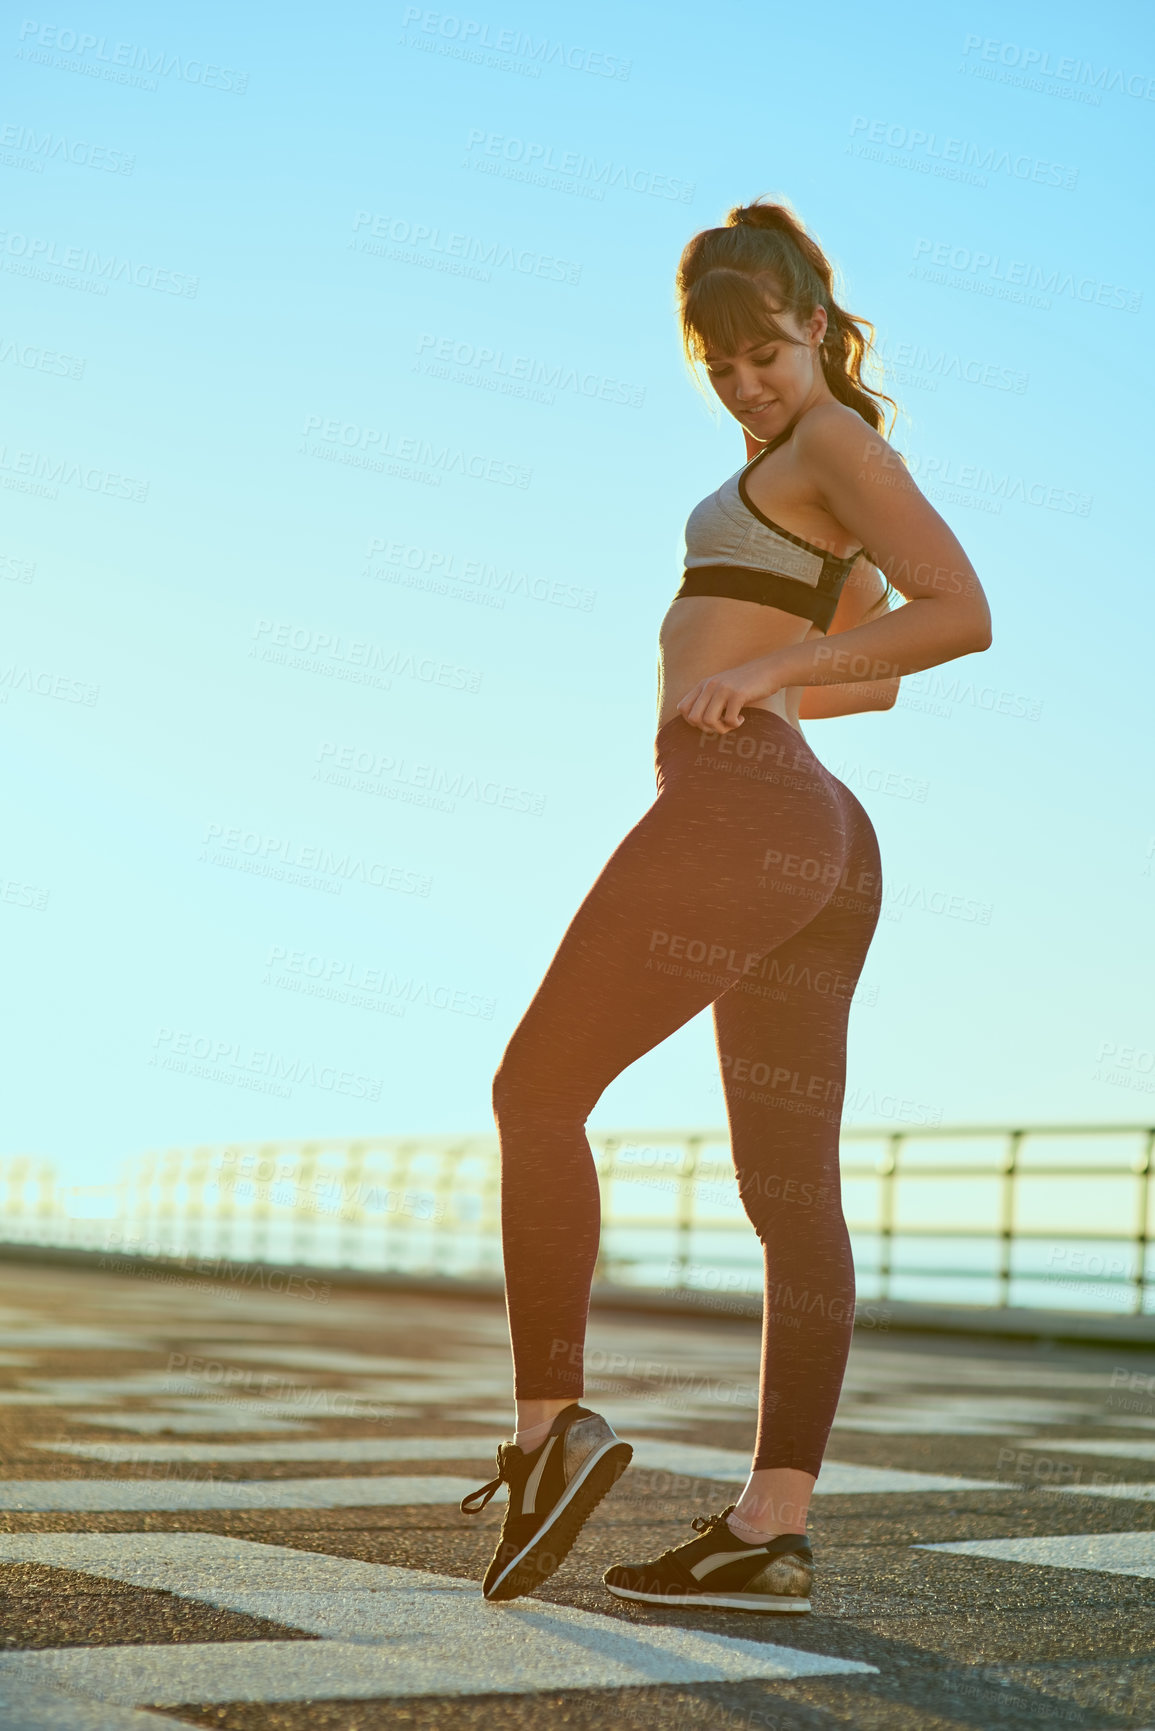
column 489, row 1491
column 700, row 1524
column 707, row 1523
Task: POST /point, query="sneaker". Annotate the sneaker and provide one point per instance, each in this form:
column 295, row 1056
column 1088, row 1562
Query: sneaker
column 552, row 1492
column 722, row 1571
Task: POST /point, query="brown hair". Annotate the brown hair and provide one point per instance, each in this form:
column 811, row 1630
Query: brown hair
column 732, row 280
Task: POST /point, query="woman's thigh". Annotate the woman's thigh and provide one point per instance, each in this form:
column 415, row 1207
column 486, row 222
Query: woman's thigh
column 684, row 908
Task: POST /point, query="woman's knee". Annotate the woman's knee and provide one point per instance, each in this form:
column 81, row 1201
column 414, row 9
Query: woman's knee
column 783, row 1208
column 542, row 1089
column 509, row 1087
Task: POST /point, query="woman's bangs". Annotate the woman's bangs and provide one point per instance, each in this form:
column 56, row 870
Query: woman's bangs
column 727, row 311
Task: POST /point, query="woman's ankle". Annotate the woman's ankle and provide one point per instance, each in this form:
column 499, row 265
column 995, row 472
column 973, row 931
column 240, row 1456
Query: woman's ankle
column 535, row 1421
column 775, row 1500
column 756, row 1535
column 530, row 1437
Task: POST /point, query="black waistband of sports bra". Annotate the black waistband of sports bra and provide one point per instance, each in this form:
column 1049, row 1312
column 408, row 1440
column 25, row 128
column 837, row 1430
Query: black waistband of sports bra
column 767, row 588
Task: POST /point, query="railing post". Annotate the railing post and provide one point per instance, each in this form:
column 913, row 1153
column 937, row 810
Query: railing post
column 197, row 1172
column 1007, row 1224
column 444, row 1186
column 168, row 1184
column 489, row 1219
column 147, row 1201
column 226, row 1240
column 1142, row 1235
column 889, row 1175
column 17, row 1171
column 351, row 1212
column 686, row 1208
column 303, row 1233
column 394, row 1234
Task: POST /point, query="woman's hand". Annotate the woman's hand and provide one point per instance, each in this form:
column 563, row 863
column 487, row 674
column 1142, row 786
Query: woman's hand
column 715, row 704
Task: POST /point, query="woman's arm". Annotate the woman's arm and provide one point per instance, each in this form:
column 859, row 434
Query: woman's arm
column 863, row 591
column 866, row 486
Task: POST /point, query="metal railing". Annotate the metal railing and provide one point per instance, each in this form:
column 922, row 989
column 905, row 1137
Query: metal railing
column 1057, row 1215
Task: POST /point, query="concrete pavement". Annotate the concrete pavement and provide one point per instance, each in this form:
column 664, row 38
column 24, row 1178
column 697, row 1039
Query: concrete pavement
column 223, row 1506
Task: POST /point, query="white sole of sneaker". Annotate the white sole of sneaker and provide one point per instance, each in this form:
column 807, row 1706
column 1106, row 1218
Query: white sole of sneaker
column 563, row 1503
column 715, row 1601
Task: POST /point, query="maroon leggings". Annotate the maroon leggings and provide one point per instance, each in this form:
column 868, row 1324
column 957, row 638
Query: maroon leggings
column 752, row 883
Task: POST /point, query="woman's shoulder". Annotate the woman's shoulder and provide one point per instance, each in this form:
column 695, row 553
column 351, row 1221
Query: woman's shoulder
column 832, row 432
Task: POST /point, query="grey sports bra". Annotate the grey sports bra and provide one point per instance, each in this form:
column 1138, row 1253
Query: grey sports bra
column 733, row 550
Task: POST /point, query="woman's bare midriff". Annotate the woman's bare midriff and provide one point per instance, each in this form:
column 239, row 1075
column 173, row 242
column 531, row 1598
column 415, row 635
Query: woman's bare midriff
column 706, row 634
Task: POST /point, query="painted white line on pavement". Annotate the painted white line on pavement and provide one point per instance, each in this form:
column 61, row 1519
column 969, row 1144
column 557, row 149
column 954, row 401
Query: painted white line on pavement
column 208, row 1416
column 959, row 1415
column 391, row 1491
column 194, row 1395
column 71, row 1390
column 884, row 1368
column 1117, row 1488
column 41, row 1708
column 385, row 1631
column 1104, row 1553
column 840, row 1479
column 49, row 1339
column 354, row 1363
column 360, row 1448
column 625, row 1416
column 914, row 1424
column 311, row 1403
column 837, row 1479
column 1121, row 1448
column 433, row 1390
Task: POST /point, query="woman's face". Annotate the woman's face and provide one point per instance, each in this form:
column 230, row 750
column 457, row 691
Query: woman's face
column 767, row 384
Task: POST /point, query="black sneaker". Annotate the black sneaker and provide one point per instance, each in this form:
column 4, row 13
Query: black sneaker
column 720, row 1570
column 552, row 1492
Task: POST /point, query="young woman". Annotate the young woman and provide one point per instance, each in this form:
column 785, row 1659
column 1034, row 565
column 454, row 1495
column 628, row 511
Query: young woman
column 760, row 864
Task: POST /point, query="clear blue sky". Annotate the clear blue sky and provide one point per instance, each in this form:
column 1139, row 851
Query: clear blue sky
column 347, row 435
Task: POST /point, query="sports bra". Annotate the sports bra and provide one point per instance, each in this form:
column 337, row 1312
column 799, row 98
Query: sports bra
column 735, row 551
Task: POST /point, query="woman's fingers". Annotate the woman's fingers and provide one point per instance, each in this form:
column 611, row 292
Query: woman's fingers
column 715, row 704
column 712, row 710
column 691, row 703
column 712, row 706
column 702, row 706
